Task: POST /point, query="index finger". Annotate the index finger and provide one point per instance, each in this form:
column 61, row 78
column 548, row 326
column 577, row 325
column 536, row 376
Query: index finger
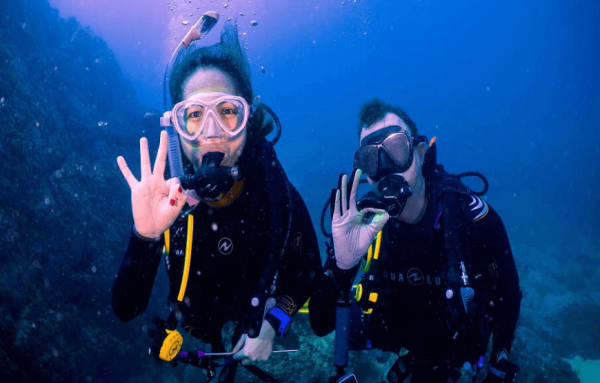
column 161, row 156
column 240, row 343
column 239, row 355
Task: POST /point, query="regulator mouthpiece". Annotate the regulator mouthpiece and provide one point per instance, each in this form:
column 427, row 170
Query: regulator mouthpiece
column 394, row 192
column 211, row 181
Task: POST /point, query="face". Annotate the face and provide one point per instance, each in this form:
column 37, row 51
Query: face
column 413, row 175
column 213, row 139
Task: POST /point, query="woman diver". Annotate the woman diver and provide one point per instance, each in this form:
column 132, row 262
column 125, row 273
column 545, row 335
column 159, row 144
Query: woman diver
column 238, row 242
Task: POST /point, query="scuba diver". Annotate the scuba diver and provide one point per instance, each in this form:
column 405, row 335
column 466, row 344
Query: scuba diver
column 438, row 278
column 236, row 237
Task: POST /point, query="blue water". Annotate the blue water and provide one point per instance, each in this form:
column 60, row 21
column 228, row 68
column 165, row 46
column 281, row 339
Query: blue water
column 509, row 88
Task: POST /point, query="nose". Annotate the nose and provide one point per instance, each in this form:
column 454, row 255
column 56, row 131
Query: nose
column 212, row 129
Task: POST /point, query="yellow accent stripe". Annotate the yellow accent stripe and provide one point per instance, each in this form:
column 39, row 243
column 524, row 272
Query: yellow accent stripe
column 377, row 245
column 483, row 216
column 367, row 263
column 188, row 258
column 304, row 309
column 370, row 257
column 168, row 241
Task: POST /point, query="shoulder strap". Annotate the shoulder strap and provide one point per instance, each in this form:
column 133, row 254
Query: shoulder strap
column 178, row 253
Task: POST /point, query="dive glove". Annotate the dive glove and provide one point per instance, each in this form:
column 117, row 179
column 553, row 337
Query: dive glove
column 353, row 230
column 501, row 372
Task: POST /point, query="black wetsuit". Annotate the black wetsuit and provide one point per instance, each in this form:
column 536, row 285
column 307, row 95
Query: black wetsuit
column 412, row 307
column 229, row 254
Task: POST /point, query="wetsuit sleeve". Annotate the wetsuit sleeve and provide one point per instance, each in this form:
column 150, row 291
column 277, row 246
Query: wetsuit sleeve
column 302, row 262
column 328, row 290
column 133, row 285
column 490, row 240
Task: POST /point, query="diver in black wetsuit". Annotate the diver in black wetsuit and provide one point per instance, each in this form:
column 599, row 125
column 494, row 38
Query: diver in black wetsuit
column 237, row 239
column 439, row 277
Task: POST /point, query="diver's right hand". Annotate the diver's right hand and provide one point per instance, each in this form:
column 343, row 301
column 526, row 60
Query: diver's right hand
column 156, row 203
column 352, row 231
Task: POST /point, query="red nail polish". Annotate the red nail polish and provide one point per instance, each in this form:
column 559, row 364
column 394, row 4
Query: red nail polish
column 180, row 190
column 172, row 202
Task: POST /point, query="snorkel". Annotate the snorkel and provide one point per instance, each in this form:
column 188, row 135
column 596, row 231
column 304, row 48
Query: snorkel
column 197, row 32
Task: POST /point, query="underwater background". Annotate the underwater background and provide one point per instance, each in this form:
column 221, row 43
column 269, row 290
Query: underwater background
column 510, row 89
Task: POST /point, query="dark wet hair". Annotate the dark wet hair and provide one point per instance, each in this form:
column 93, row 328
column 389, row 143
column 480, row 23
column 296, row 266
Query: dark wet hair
column 375, row 110
column 228, row 56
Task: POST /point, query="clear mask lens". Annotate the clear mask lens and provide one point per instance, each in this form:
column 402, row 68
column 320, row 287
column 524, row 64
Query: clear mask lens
column 192, row 117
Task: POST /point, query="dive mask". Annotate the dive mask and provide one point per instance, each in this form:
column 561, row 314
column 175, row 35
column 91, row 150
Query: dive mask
column 192, row 116
column 387, row 151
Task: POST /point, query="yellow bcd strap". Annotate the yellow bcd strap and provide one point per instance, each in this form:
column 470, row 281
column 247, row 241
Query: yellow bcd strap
column 372, row 255
column 188, row 258
column 167, row 248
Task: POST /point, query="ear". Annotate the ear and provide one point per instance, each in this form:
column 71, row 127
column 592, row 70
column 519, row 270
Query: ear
column 421, row 149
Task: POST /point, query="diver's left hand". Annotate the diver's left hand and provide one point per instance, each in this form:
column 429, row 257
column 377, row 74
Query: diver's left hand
column 253, row 349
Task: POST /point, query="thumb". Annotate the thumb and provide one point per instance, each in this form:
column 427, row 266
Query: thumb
column 239, row 344
column 379, row 219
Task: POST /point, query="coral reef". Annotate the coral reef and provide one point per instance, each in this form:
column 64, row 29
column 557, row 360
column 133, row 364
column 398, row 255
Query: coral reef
column 61, row 220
